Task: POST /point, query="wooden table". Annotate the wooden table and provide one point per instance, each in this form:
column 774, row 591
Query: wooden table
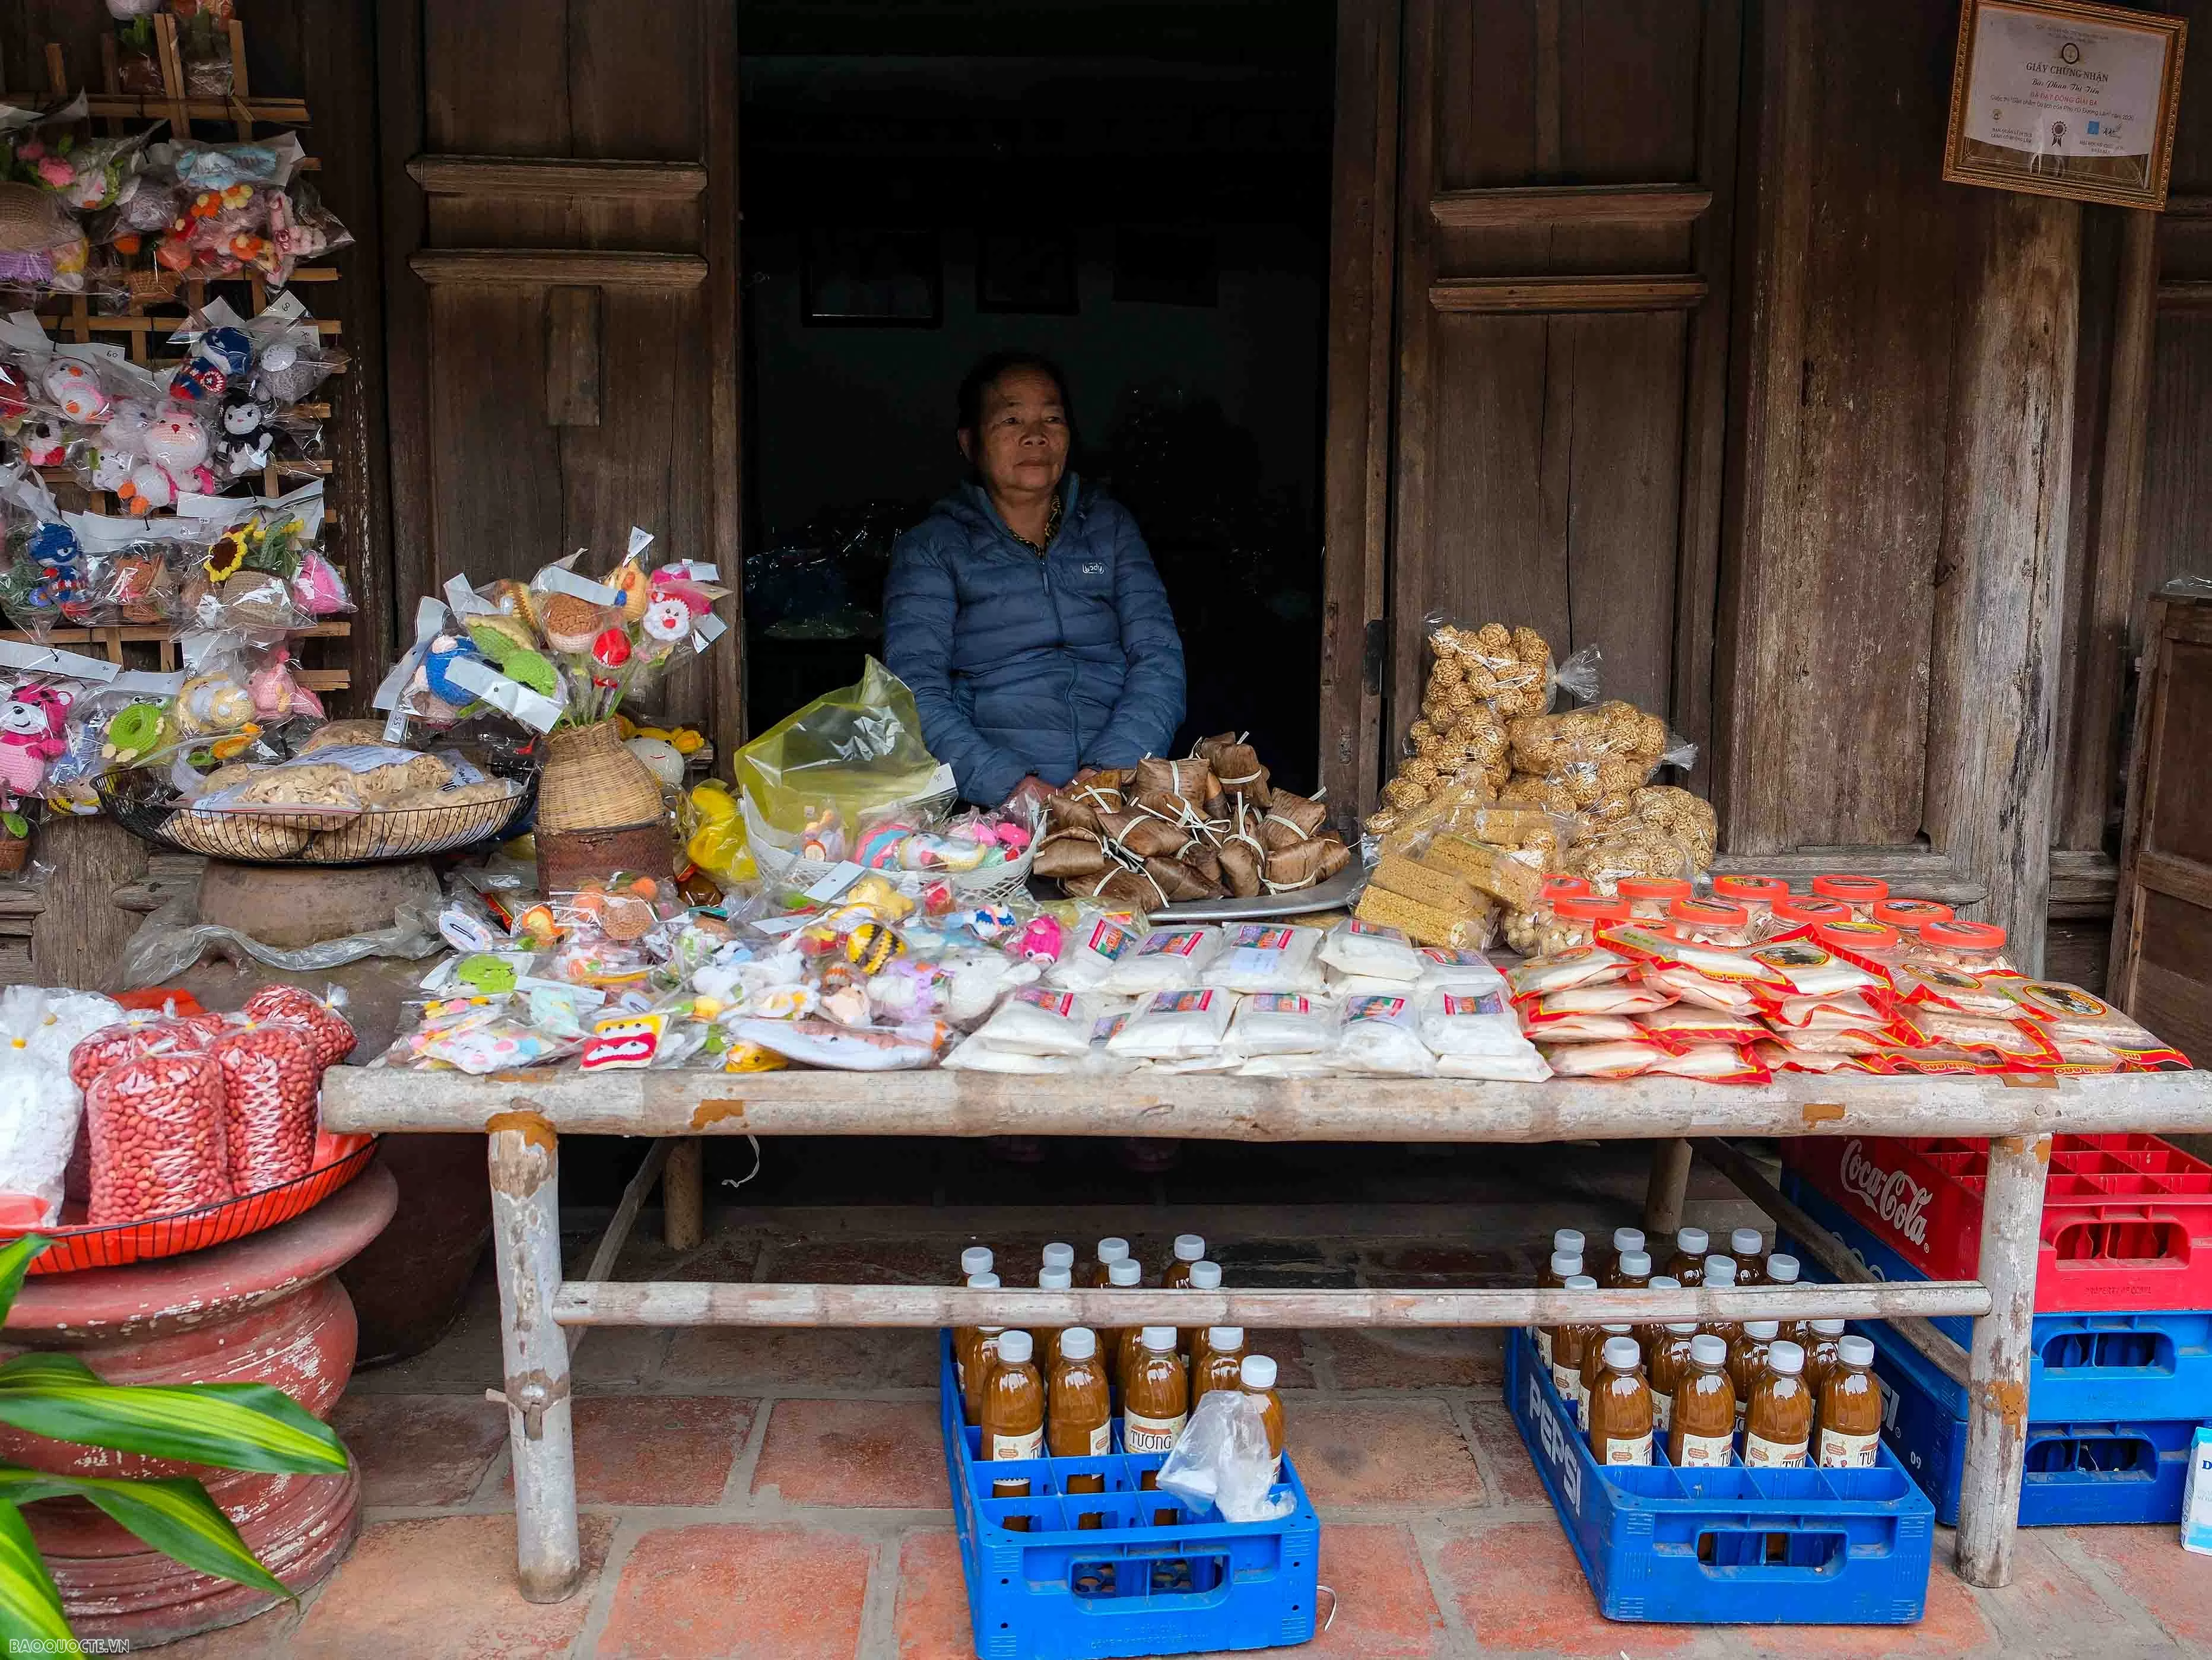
column 525, row 1114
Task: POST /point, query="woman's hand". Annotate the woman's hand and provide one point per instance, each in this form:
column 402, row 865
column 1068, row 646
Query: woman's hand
column 1031, row 788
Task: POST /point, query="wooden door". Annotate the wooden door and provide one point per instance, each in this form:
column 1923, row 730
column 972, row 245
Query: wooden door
column 560, row 254
column 1564, row 214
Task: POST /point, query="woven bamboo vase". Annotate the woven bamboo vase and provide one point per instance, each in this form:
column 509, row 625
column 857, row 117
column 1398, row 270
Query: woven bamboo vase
column 599, row 811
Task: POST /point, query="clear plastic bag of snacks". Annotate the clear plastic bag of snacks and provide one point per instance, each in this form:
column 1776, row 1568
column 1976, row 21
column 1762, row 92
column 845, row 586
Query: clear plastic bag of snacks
column 1380, row 1033
column 156, row 1127
column 2085, row 1029
column 1173, row 1025
column 271, row 1087
column 1258, row 957
column 1574, row 965
column 39, row 1106
column 1036, row 1020
column 1281, row 1023
column 1165, row 959
column 1512, row 670
column 1372, row 951
column 330, row 1031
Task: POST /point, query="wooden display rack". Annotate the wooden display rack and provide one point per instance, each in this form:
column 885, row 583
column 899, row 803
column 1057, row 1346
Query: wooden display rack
column 143, row 327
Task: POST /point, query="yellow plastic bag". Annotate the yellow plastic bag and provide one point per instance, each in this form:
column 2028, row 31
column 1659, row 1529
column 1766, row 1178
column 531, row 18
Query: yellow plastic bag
column 715, row 835
column 849, row 752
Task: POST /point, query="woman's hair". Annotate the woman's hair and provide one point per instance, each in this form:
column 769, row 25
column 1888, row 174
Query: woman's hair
column 988, row 367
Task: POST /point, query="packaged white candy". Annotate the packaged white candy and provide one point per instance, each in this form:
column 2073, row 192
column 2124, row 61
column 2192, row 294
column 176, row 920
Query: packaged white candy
column 1166, row 959
column 1034, row 1020
column 1266, row 957
column 1091, row 950
column 1287, row 1066
column 1382, row 1034
column 1366, row 948
column 1496, row 1068
column 1472, row 1023
column 1282, row 1023
column 1171, row 1026
column 1443, row 969
column 1101, row 1058
column 974, row 1054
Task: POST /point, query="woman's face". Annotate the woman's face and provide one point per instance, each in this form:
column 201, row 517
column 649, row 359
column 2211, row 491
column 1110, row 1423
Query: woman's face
column 1020, row 443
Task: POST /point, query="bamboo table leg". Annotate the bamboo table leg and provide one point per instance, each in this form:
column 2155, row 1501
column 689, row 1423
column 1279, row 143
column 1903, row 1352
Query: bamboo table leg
column 1996, row 1401
column 683, row 1195
column 1664, row 1193
column 526, row 1209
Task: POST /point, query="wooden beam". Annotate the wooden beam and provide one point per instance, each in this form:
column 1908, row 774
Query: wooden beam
column 1911, row 873
column 1994, row 665
column 2179, row 206
column 716, row 1303
column 2186, row 879
column 559, row 267
column 2004, row 1343
column 1545, row 205
column 1214, row 1107
column 609, row 1248
column 2083, row 883
column 1566, row 294
column 557, row 177
column 683, row 1195
column 1667, row 1186
column 2179, row 295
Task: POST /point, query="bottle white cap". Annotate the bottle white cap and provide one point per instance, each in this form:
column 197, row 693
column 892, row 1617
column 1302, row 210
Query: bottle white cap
column 1782, row 1268
column 1161, row 1340
column 977, row 1259
column 1581, row 1282
column 1190, row 1247
column 1764, row 1330
column 1746, row 1241
column 1706, row 1350
column 1628, row 1239
column 1057, row 1255
column 1684, row 1329
column 1634, row 1262
column 1078, row 1343
column 1720, row 1270
column 1569, row 1240
column 1785, row 1356
column 1221, row 1337
column 1564, row 1262
column 1258, row 1373
column 1616, row 1325
column 1695, row 1241
column 1054, row 1279
column 1112, row 1248
column 1829, row 1328
column 1622, row 1354
column 1126, row 1272
column 1206, row 1276
column 982, row 1282
column 1014, row 1345
column 1664, row 1282
column 1856, row 1351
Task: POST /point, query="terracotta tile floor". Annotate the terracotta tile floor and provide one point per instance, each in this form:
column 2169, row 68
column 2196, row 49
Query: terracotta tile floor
column 781, row 1495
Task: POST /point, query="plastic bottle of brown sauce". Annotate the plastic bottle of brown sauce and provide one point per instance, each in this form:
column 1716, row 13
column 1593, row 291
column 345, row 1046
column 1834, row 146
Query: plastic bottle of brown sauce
column 975, row 1260
column 982, row 1354
column 1747, row 1246
column 1650, row 1334
column 1567, row 1242
column 1123, row 1276
column 1631, row 1271
column 1747, row 1361
column 1111, row 1250
column 1850, row 1408
column 1223, row 1366
column 1778, row 1424
column 1621, row 1406
column 1047, row 1338
column 1189, row 1248
column 1566, row 1265
column 1013, row 1418
column 1059, row 1255
column 1155, row 1394
column 1256, row 1378
column 1701, row 1427
column 1670, row 1363
column 1569, row 1341
column 1687, row 1264
column 1820, row 1352
column 1624, row 1241
column 1593, row 1365
column 1190, row 1341
column 1781, row 1269
column 1720, row 1274
column 1079, row 1419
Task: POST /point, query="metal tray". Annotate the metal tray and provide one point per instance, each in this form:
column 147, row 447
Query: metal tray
column 1341, row 892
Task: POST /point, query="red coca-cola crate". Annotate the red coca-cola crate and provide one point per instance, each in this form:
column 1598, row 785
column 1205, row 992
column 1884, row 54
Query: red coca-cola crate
column 2127, row 1220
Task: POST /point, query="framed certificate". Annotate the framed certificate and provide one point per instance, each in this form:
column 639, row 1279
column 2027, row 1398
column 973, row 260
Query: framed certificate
column 2065, row 98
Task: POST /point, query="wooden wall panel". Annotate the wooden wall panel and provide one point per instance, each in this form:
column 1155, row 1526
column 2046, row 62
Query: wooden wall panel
column 1630, row 83
column 494, row 76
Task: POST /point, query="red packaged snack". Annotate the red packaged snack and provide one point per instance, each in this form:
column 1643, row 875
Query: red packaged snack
column 270, row 1084
column 1714, row 1063
column 332, row 1033
column 126, row 1040
column 156, row 1127
column 1686, row 1028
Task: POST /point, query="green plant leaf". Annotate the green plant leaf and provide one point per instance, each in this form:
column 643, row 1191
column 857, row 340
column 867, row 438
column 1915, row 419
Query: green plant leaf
column 15, row 824
column 172, row 1513
column 14, row 1263
column 247, row 1426
column 30, row 1606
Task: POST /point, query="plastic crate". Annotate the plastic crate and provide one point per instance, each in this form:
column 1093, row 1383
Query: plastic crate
column 2078, row 1472
column 2148, row 1366
column 2127, row 1220
column 1148, row 1578
column 1726, row 1547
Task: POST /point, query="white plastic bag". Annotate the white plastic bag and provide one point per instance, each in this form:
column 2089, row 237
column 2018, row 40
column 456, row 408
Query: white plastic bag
column 1175, row 1026
column 1382, row 1034
column 1221, row 1461
column 1266, row 957
column 1281, row 1023
column 1092, row 948
column 38, row 1105
column 1166, row 959
column 1369, row 950
column 1035, row 1021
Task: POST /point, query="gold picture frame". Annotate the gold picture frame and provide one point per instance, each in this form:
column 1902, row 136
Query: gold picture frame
column 2051, row 98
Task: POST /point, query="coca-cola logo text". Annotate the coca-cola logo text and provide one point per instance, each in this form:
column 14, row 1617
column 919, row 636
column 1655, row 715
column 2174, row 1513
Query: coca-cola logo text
column 1896, row 1198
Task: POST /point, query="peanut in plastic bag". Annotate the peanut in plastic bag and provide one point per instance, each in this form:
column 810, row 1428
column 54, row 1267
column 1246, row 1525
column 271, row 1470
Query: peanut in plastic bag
column 853, row 751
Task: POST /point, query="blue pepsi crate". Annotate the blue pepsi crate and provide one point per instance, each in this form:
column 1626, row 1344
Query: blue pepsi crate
column 2152, row 1367
column 2078, row 1472
column 1123, row 1571
column 1726, row 1547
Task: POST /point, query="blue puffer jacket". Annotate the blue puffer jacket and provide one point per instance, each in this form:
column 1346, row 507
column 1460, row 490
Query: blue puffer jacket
column 1026, row 665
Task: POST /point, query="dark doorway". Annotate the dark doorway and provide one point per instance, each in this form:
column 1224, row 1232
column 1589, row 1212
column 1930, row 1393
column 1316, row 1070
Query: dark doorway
column 1138, row 189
